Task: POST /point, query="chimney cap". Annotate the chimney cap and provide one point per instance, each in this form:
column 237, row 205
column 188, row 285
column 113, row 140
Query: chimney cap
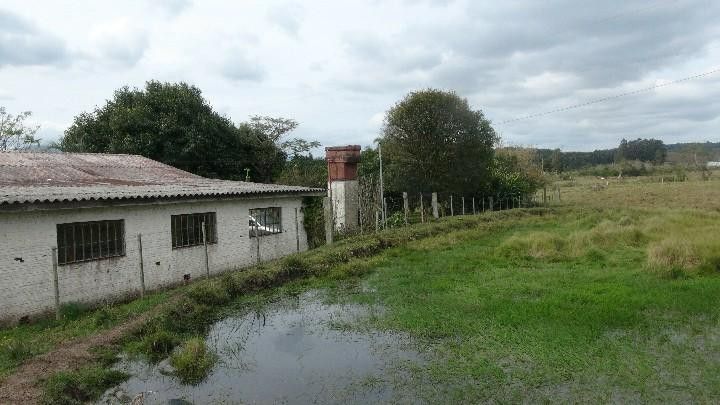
column 346, row 147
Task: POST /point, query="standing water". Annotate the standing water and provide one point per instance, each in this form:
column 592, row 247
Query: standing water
column 291, row 351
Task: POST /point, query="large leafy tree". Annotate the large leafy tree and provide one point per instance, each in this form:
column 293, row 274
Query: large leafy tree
column 174, row 124
column 433, row 141
column 14, row 133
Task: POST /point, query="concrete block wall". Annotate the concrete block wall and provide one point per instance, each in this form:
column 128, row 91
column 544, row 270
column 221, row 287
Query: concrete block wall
column 26, row 239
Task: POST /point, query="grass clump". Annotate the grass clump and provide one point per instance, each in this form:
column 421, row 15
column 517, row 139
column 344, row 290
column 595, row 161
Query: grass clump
column 193, row 361
column 79, row 387
column 535, row 245
column 293, row 267
column 672, row 257
column 158, row 345
column 72, row 311
column 209, row 293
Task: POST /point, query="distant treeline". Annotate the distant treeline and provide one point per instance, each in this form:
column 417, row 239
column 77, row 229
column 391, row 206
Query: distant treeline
column 651, row 151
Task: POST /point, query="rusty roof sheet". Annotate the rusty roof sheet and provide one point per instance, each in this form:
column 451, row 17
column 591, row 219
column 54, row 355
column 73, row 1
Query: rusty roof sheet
column 41, row 177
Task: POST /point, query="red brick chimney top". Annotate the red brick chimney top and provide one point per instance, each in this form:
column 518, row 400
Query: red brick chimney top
column 342, row 162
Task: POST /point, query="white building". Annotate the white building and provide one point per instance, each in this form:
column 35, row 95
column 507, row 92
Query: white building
column 92, row 209
column 713, row 164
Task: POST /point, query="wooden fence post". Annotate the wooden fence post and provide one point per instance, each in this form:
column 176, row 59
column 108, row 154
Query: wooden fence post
column 207, row 260
column 463, row 204
column 435, row 211
column 405, row 206
column 327, row 208
column 473, row 205
column 297, row 231
column 422, row 209
column 56, row 288
column 452, row 212
column 377, row 221
column 490, row 203
column 142, row 267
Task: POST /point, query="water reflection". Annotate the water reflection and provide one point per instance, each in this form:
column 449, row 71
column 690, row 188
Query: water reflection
column 290, row 351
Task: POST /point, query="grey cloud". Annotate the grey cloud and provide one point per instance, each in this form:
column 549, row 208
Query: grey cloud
column 23, row 44
column 239, row 67
column 287, row 17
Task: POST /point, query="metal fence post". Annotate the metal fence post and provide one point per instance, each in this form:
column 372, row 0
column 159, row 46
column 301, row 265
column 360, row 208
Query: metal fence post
column 56, row 288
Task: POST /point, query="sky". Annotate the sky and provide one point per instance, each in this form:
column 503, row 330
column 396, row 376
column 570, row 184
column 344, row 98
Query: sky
column 337, row 66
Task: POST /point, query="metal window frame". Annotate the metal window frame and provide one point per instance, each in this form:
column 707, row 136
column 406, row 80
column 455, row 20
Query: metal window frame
column 72, row 235
column 186, row 229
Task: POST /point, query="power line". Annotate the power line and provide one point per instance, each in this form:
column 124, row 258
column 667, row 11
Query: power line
column 603, row 99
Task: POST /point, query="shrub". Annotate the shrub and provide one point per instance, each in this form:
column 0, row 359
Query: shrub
column 79, row 387
column 193, row 361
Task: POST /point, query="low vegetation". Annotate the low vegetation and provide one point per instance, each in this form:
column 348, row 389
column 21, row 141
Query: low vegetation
column 79, row 387
column 193, row 361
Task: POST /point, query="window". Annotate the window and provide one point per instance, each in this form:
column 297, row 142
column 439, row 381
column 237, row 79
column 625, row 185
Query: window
column 187, row 229
column 83, row 241
column 265, row 221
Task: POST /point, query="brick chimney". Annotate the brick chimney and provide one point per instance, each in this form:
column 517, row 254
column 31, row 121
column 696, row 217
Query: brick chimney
column 343, row 188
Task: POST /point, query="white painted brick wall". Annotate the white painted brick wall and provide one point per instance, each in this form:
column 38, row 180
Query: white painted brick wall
column 26, row 287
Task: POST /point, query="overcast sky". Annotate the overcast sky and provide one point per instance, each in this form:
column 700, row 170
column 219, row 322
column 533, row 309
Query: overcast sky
column 337, row 66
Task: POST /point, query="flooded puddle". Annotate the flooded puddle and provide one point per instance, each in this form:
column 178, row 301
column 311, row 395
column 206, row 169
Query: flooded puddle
column 291, row 351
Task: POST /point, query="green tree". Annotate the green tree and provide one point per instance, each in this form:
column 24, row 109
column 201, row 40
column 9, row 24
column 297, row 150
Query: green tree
column 174, row 124
column 433, row 141
column 276, row 129
column 14, row 134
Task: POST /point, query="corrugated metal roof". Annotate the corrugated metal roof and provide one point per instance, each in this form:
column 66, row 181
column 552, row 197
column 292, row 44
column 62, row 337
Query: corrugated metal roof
column 40, row 177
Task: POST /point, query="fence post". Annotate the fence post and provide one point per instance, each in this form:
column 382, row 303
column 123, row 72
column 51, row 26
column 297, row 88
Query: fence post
column 142, row 267
column 207, row 261
column 297, row 231
column 452, row 212
column 436, row 213
column 384, row 213
column 559, row 199
column 257, row 241
column 490, row 203
column 463, row 204
column 544, row 195
column 473, row 205
column 327, row 210
column 405, row 206
column 377, row 221
column 56, row 288
column 422, row 209
column 483, row 201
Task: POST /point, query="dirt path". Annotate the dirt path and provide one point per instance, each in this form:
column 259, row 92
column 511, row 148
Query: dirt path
column 21, row 387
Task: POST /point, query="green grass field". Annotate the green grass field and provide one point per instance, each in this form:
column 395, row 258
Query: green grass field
column 572, row 307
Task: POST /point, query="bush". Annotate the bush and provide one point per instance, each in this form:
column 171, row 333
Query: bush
column 187, row 316
column 193, row 361
column 233, row 285
column 79, row 387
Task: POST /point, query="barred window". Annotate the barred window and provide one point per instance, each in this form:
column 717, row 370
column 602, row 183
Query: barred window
column 84, row 241
column 187, row 229
column 265, row 221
